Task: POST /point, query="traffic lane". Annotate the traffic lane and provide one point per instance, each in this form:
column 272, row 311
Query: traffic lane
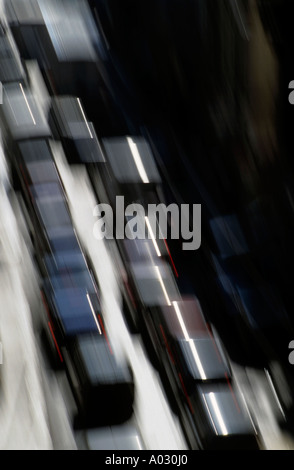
column 23, row 417
column 254, row 390
column 59, row 403
column 160, row 428
column 262, row 400
column 257, row 390
column 55, row 388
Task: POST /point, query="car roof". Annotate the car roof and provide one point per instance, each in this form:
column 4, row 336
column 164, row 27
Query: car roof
column 144, row 249
column 66, row 277
column 74, row 307
column 122, row 437
column 201, row 355
column 42, row 171
column 10, row 64
column 155, row 283
column 69, row 23
column 101, row 364
column 65, row 260
column 51, row 204
column 71, row 29
column 48, row 189
column 131, row 159
column 23, row 114
column 24, row 11
column 53, row 212
column 227, row 409
column 72, row 124
column 203, row 360
column 70, row 116
column 185, row 319
column 35, row 150
column 62, row 239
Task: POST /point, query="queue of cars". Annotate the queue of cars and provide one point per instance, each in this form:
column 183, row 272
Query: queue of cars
column 187, row 350
column 102, row 383
column 63, row 38
column 184, row 345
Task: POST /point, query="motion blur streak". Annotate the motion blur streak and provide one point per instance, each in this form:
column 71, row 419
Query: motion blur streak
column 152, row 236
column 162, row 285
column 137, row 159
column 213, row 400
column 232, row 392
column 187, row 338
column 55, row 342
column 160, row 103
column 171, row 259
column 104, row 332
column 86, row 122
column 27, row 103
column 93, row 313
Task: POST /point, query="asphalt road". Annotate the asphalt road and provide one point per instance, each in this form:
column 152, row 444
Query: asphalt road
column 36, row 406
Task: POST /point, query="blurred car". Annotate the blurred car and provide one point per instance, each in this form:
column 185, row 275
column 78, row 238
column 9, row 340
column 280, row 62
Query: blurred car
column 102, row 382
column 191, row 344
column 68, row 122
column 62, row 37
column 44, row 201
column 148, row 283
column 59, row 34
column 22, row 114
column 192, row 358
column 32, row 162
column 130, row 170
column 11, row 68
column 226, row 422
column 49, row 212
column 35, row 174
column 154, row 283
column 72, row 303
column 152, row 248
column 46, row 205
column 122, row 437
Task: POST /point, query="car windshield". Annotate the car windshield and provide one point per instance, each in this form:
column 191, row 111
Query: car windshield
column 201, row 360
column 10, row 66
column 51, row 205
column 227, row 410
column 100, row 362
column 35, row 150
column 72, row 279
column 40, row 172
column 76, row 310
column 131, row 160
column 185, row 320
column 155, row 283
column 63, row 239
column 23, row 114
column 65, row 260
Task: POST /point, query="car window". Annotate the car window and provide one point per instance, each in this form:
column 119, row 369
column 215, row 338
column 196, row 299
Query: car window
column 131, row 160
column 42, row 171
column 75, row 310
column 51, row 205
column 35, row 150
column 63, row 239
